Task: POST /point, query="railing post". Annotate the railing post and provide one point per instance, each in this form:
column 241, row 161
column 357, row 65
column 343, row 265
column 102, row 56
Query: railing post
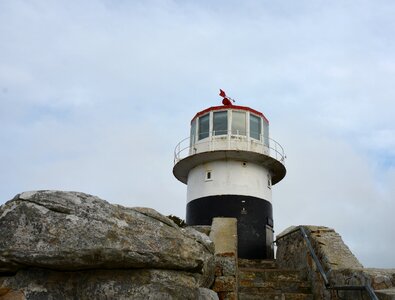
column 240, row 142
column 228, row 137
column 211, row 140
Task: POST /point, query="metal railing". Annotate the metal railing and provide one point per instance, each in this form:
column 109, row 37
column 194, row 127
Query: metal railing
column 229, row 141
column 367, row 287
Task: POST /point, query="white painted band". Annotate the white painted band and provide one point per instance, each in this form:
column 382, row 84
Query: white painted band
column 229, row 177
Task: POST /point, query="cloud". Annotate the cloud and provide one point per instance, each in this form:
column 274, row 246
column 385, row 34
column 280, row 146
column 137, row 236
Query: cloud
column 331, row 183
column 95, row 95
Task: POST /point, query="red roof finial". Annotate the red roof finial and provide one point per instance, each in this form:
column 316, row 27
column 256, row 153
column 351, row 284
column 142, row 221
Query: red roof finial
column 226, row 100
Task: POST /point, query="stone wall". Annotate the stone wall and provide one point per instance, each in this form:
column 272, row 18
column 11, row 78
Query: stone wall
column 340, row 265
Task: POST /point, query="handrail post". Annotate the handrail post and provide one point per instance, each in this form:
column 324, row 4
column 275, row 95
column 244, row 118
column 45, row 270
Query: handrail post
column 211, row 140
column 228, row 137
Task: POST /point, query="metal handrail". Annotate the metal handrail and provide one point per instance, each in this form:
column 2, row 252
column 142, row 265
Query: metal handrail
column 367, row 287
column 315, row 258
column 272, row 148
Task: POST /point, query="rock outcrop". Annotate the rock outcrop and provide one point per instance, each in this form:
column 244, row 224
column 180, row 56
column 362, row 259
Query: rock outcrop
column 69, row 245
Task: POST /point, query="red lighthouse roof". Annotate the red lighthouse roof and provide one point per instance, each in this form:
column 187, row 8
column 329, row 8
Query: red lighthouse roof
column 227, row 104
column 233, row 107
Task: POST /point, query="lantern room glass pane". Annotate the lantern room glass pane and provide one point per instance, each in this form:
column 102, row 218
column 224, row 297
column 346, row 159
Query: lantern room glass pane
column 220, row 123
column 238, row 123
column 203, row 126
column 255, row 127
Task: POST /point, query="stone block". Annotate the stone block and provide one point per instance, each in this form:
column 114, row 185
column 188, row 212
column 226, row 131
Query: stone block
column 226, row 265
column 224, row 235
column 225, row 284
column 227, row 296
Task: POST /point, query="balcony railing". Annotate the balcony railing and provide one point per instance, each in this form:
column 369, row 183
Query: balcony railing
column 229, row 141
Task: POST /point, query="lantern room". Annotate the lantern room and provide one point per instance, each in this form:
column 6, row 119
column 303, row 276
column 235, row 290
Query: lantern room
column 241, row 124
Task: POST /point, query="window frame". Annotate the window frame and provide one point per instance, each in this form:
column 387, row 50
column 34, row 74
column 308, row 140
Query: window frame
column 205, row 134
column 220, row 131
column 233, row 130
column 208, row 175
column 259, row 134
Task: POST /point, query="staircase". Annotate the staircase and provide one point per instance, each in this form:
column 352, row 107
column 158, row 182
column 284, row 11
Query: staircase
column 261, row 279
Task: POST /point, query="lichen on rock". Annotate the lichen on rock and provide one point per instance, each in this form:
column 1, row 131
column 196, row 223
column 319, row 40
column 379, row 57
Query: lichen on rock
column 80, row 239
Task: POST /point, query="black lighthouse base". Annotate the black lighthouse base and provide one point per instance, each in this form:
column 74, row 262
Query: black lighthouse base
column 254, row 221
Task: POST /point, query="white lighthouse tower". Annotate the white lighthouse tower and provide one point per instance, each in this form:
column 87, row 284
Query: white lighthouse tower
column 229, row 164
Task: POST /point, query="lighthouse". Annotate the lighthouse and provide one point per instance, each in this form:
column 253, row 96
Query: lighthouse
column 229, row 164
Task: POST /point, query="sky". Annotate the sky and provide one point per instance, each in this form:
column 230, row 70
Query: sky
column 95, row 95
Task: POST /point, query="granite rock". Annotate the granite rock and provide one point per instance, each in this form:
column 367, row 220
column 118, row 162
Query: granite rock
column 71, row 245
column 37, row 284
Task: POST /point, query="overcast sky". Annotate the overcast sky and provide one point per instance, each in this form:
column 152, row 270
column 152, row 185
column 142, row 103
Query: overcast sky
column 96, row 94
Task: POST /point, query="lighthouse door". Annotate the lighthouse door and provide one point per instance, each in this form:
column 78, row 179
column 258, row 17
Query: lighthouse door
column 255, row 235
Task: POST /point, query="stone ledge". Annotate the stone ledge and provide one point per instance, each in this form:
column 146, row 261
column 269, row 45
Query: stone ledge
column 386, row 294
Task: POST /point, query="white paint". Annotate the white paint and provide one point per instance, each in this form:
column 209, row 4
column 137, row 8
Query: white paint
column 229, row 177
column 230, row 110
column 229, row 142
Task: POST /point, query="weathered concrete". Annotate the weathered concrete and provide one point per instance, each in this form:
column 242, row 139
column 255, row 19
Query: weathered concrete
column 224, row 235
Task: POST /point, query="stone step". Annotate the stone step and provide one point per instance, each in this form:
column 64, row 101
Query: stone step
column 257, row 263
column 261, row 279
column 257, row 276
column 386, row 294
column 274, row 296
column 274, row 286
